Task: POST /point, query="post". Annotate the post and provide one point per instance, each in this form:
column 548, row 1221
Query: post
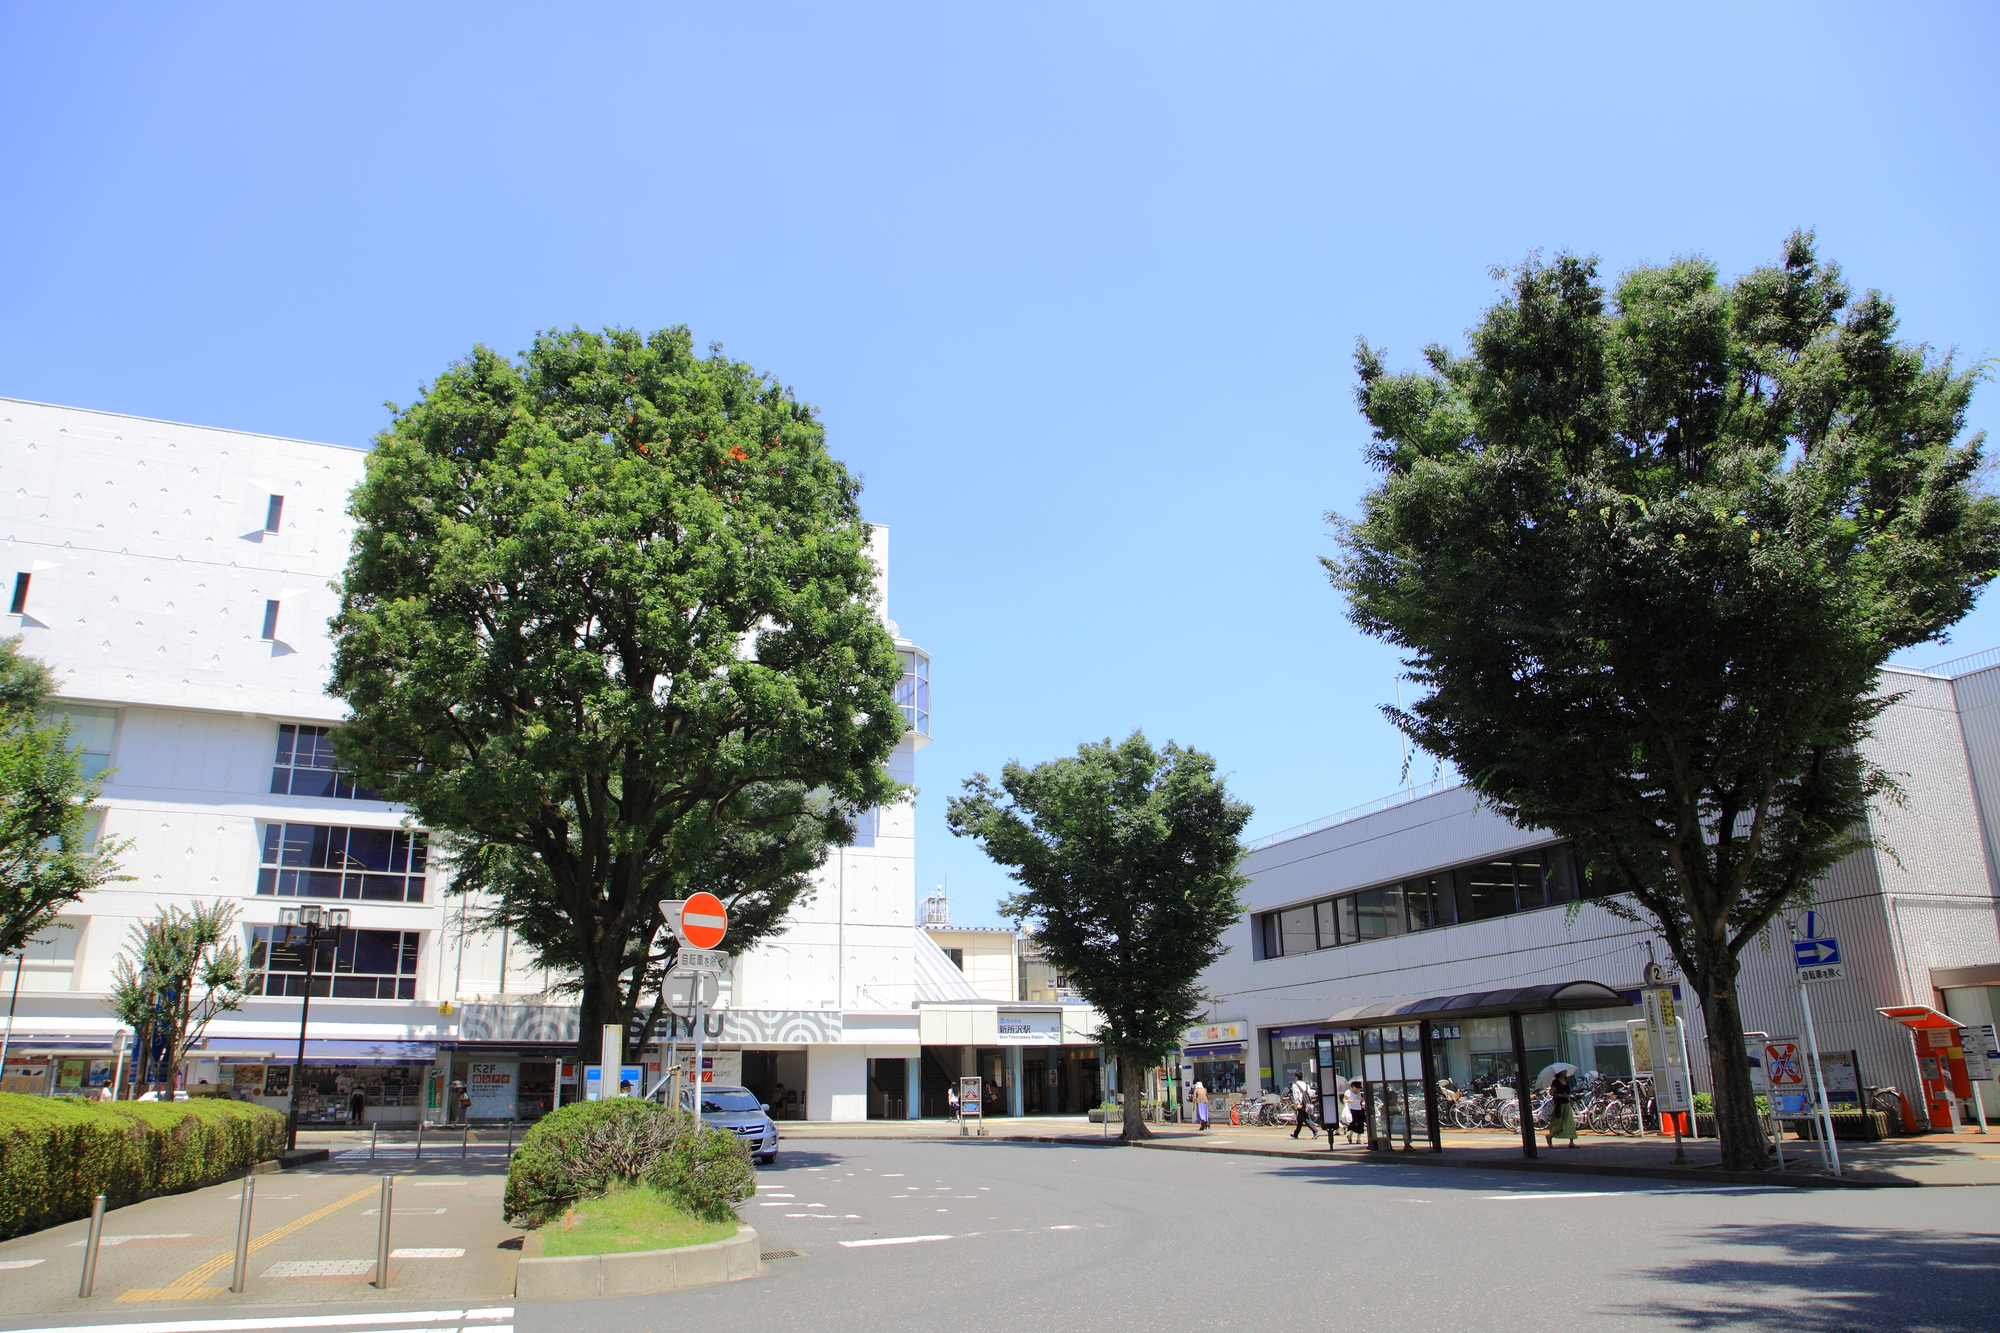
column 700, row 1038
column 382, row 1233
column 420, row 1137
column 117, row 1069
column 510, row 1138
column 465, row 1136
column 1521, row 1077
column 374, row 1135
column 305, row 1012
column 1429, row 1064
column 1832, row 1153
column 241, row 1276
column 90, row 1246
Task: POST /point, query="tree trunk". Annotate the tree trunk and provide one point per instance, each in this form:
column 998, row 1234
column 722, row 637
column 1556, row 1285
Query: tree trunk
column 1736, row 1121
column 1131, row 1087
column 596, row 1006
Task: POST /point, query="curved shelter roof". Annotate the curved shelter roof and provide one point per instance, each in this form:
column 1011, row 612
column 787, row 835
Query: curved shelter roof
column 1484, row 1004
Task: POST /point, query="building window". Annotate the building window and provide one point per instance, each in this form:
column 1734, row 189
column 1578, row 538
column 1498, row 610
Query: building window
column 913, row 690
column 271, row 620
column 1476, row 892
column 957, row 957
column 318, row 861
column 305, row 766
column 354, row 965
column 273, row 513
column 90, row 733
column 19, row 605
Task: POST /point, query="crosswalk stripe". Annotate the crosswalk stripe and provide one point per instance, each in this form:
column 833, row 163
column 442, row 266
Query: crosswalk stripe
column 369, row 1321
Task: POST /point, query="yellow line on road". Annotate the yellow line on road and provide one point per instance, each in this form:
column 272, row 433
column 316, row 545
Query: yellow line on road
column 188, row 1286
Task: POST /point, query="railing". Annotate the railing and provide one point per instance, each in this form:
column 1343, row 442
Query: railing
column 1403, row 796
column 1959, row 666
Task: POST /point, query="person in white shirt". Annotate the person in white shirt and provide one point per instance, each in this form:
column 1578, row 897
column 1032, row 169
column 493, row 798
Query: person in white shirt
column 1303, row 1096
column 1352, row 1120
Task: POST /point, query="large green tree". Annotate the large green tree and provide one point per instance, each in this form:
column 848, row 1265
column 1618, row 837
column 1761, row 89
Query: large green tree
column 1126, row 857
column 47, row 857
column 606, row 604
column 1647, row 551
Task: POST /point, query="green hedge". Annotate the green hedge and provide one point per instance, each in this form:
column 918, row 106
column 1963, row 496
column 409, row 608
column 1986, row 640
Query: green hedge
column 58, row 1153
column 587, row 1149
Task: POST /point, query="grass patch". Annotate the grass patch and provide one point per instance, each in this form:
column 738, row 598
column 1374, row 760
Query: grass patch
column 630, row 1217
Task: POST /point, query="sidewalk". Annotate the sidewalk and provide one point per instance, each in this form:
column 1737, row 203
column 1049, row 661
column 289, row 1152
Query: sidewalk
column 1931, row 1159
column 314, row 1237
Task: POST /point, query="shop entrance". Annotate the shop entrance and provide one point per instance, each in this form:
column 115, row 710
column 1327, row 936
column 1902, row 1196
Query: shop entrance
column 888, row 1089
column 778, row 1078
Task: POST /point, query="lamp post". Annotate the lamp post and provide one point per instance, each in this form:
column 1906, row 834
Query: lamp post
column 310, row 920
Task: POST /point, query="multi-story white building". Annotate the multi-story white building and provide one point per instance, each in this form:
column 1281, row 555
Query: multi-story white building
column 179, row 580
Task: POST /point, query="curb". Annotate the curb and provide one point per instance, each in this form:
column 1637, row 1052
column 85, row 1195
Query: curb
column 1694, row 1175
column 640, row 1272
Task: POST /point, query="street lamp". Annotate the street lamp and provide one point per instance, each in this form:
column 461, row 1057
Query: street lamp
column 311, row 921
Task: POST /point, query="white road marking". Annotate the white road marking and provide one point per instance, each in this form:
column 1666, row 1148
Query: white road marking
column 18, row 1263
column 1607, row 1194
column 427, row 1254
column 890, row 1240
column 302, row 1321
column 406, row 1212
column 120, row 1240
column 891, row 1175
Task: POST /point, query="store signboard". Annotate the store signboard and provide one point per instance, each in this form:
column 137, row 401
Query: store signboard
column 631, row 1082
column 1980, row 1055
column 277, row 1080
column 1210, row 1033
column 494, row 1087
column 722, row 1067
column 1666, row 1046
column 1018, row 1029
column 971, row 1090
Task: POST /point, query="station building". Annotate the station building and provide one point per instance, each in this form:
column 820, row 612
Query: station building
column 178, row 579
column 1417, row 928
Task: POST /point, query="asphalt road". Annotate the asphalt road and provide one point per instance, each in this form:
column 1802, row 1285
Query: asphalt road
column 1051, row 1237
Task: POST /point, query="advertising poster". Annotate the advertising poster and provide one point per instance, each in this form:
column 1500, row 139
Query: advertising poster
column 277, row 1080
column 492, row 1087
column 248, row 1081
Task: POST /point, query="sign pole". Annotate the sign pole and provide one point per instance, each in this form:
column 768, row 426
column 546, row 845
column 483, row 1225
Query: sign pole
column 1832, row 1151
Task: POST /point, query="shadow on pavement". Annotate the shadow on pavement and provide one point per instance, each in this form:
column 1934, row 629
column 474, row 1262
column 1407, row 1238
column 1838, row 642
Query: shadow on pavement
column 1802, row 1278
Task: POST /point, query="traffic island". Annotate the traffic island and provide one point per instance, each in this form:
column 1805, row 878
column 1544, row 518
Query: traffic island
column 635, row 1273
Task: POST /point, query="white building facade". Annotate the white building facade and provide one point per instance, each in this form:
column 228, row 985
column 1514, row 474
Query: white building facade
column 179, row 580
column 1436, row 901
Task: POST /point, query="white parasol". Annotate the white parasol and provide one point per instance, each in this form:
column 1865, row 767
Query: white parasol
column 1548, row 1076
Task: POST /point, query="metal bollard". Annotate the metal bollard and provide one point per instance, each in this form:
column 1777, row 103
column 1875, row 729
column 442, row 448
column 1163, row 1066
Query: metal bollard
column 90, row 1246
column 510, row 1138
column 420, row 1138
column 382, row 1234
column 242, row 1274
column 373, row 1135
column 465, row 1137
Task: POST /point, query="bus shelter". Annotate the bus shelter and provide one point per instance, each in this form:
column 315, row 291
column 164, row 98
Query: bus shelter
column 1399, row 1055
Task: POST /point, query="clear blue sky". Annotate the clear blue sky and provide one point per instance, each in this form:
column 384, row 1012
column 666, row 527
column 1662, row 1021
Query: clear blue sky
column 1075, row 286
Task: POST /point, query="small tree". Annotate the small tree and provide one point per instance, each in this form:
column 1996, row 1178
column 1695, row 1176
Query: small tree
column 47, row 859
column 598, row 601
column 1649, row 558
column 1126, row 857
column 180, row 971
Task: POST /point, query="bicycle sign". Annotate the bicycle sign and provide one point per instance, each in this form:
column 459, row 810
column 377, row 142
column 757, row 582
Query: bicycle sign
column 1784, row 1066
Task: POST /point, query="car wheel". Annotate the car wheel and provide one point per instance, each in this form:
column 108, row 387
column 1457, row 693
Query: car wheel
column 767, row 1159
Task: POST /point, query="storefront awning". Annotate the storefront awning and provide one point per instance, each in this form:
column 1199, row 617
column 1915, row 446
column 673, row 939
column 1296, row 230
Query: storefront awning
column 1485, row 1004
column 1210, row 1052
column 326, row 1050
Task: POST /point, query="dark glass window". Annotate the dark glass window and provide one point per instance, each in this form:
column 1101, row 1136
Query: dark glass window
column 305, row 766
column 354, row 965
column 1329, row 929
column 1485, row 890
column 1295, row 931
column 328, row 861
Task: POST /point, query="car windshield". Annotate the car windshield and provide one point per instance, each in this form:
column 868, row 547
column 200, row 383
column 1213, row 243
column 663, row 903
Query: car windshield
column 727, row 1100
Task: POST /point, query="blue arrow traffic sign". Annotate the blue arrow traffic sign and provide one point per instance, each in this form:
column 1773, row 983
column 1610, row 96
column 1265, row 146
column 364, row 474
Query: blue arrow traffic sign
column 1815, row 953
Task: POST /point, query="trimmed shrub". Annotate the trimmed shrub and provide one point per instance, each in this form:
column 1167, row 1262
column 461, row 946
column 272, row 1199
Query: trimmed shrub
column 705, row 1172
column 585, row 1148
column 58, row 1153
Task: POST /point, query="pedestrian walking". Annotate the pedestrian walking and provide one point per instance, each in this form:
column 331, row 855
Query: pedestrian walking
column 1562, row 1115
column 357, row 1106
column 1350, row 1111
column 1201, row 1107
column 1302, row 1097
column 951, row 1101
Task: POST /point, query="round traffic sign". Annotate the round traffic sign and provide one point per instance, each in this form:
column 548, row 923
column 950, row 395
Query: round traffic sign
column 704, row 921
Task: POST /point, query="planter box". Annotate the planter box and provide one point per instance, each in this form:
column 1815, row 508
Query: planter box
column 637, row 1273
column 1866, row 1127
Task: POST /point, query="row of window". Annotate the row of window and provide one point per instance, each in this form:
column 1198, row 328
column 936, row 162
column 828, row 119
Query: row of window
column 305, row 766
column 1477, row 891
column 328, row 861
column 354, row 965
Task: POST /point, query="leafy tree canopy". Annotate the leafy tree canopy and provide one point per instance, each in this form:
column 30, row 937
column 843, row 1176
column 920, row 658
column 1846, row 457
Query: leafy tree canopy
column 47, row 857
column 1648, row 551
column 606, row 604
column 181, row 969
column 1126, row 857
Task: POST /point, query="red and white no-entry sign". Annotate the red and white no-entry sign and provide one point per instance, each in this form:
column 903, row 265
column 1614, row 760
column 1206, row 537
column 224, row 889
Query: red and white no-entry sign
column 704, row 921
